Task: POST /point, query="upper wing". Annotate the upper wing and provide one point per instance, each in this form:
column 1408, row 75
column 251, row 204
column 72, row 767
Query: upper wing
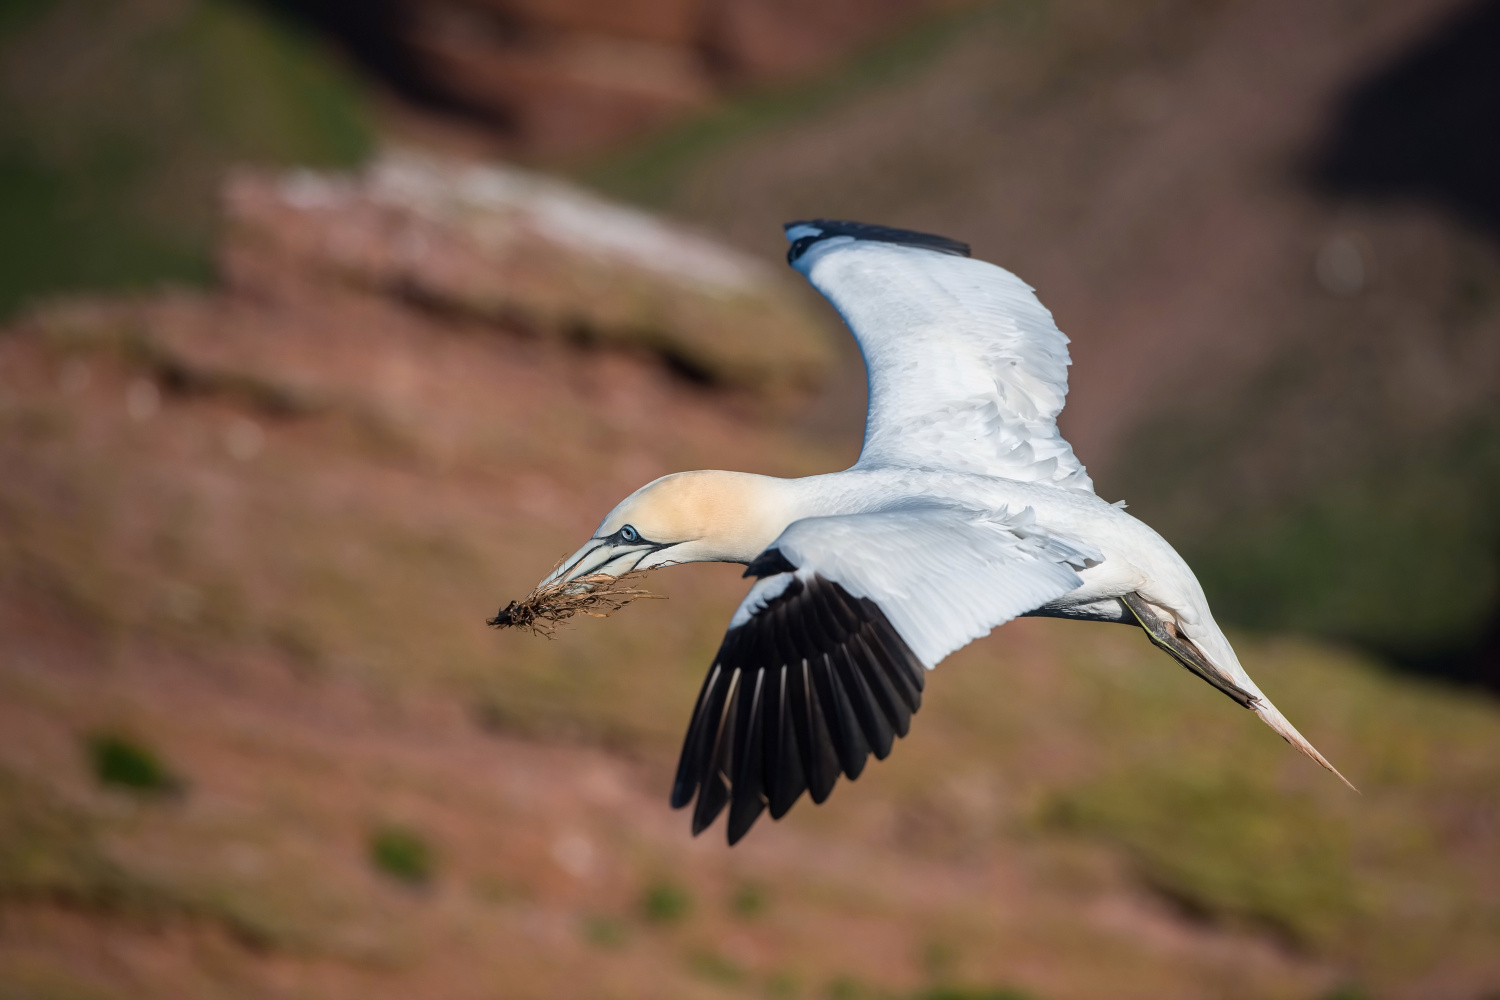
column 823, row 662
column 967, row 369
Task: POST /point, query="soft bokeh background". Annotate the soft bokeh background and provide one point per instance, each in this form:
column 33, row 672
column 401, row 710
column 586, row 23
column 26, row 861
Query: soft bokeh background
column 329, row 325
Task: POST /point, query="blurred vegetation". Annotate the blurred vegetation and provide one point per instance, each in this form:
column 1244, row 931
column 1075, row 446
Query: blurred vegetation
column 749, row 901
column 850, row 988
column 54, row 851
column 714, row 967
column 1402, row 554
column 962, row 993
column 666, row 903
column 118, row 117
column 605, row 932
column 1225, row 847
column 1348, row 991
column 50, row 850
column 1339, row 490
column 403, row 854
column 126, row 763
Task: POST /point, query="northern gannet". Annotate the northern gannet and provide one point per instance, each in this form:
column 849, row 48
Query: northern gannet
column 966, row 509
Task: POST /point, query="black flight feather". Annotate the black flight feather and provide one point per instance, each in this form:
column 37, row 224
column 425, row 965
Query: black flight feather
column 827, row 228
column 808, row 688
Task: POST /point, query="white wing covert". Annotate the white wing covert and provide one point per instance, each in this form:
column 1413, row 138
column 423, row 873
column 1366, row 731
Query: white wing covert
column 967, row 369
column 823, row 664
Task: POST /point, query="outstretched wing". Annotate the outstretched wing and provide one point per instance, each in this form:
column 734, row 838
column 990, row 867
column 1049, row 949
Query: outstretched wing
column 967, row 370
column 823, row 663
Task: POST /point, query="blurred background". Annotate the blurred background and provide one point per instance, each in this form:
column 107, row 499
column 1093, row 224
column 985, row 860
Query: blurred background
column 327, row 326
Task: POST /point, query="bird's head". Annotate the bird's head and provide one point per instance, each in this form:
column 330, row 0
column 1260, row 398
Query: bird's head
column 682, row 518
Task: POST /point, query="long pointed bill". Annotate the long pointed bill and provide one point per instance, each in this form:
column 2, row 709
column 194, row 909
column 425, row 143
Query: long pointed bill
column 600, row 557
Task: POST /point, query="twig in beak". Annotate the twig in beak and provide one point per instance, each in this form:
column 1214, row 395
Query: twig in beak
column 547, row 607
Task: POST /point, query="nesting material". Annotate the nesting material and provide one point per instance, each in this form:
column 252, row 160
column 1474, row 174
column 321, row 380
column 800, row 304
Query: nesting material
column 545, row 608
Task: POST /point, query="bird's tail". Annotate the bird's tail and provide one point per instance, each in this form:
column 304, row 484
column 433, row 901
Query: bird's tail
column 1206, row 652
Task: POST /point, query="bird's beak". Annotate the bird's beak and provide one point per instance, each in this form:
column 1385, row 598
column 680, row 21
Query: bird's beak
column 601, row 557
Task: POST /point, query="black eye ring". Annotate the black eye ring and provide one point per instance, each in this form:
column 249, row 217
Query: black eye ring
column 629, row 534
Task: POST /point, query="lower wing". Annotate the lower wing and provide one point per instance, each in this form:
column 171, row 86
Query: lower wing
column 823, row 663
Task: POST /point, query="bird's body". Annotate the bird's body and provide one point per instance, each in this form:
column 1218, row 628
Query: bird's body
column 966, row 509
column 1134, row 555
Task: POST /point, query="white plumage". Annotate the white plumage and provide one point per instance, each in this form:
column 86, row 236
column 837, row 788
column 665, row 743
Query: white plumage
column 966, row 509
column 943, row 575
column 967, row 370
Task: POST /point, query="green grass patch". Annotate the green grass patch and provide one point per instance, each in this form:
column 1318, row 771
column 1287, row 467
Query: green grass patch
column 1348, row 991
column 605, row 932
column 939, row 959
column 666, row 903
column 782, row 986
column 121, row 761
column 715, row 968
column 498, row 890
column 850, row 988
column 17, row 14
column 749, row 901
column 402, row 854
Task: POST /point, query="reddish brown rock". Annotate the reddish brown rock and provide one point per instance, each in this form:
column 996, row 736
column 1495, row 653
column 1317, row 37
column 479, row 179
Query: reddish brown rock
column 505, row 245
column 565, row 78
column 763, row 40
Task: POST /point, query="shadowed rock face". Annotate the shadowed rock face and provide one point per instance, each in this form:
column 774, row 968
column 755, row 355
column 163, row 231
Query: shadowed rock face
column 568, row 77
column 1427, row 127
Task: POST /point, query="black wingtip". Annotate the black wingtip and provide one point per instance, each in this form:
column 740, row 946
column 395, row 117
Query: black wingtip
column 813, row 685
column 742, row 817
column 827, row 228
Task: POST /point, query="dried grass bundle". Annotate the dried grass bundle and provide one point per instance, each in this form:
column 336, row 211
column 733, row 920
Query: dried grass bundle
column 545, row 608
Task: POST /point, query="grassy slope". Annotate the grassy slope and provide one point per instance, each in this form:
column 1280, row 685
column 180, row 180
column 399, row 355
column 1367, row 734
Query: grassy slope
column 298, row 635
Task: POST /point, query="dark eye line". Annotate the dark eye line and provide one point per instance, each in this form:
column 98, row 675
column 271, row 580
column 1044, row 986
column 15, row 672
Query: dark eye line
column 629, row 534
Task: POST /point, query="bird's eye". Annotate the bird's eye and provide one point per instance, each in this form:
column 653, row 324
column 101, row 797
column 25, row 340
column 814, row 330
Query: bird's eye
column 629, row 534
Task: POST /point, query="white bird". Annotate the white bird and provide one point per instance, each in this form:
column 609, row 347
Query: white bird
column 966, row 509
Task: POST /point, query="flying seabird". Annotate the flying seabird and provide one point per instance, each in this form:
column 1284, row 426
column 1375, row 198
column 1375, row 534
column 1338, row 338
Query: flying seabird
column 966, row 509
